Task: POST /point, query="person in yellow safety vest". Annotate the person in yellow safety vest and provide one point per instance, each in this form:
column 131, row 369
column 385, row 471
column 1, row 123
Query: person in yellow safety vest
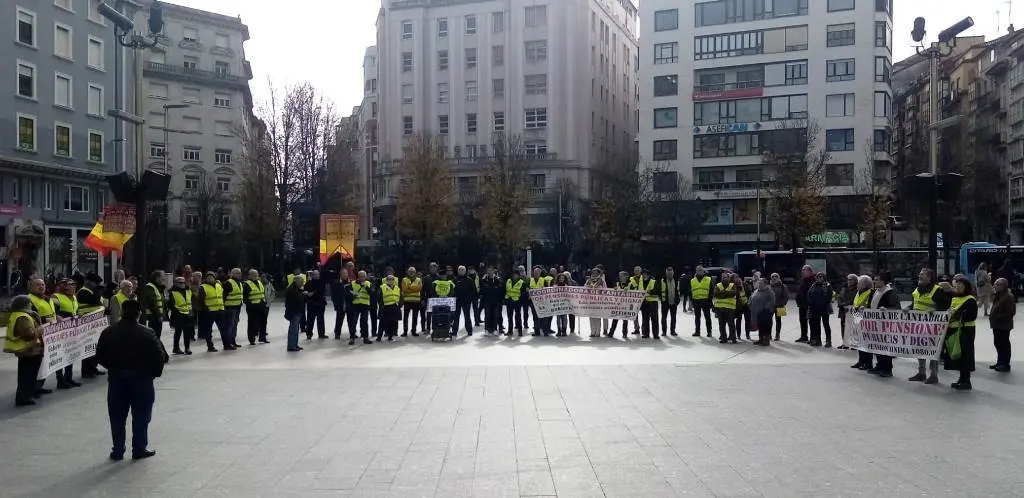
column 537, row 281
column 443, row 286
column 211, row 312
column 151, row 299
column 254, row 295
column 861, row 300
column 963, row 315
column 649, row 306
column 24, row 339
column 622, row 282
column 390, row 310
column 125, row 292
column 412, row 300
column 182, row 318
column 513, row 298
column 929, row 298
column 726, row 294
column 46, row 312
column 360, row 308
column 90, row 300
column 233, row 295
column 65, row 305
column 291, row 276
column 700, row 291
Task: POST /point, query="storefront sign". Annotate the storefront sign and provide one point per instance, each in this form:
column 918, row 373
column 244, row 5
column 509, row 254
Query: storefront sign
column 594, row 302
column 904, row 334
column 726, row 128
column 834, row 238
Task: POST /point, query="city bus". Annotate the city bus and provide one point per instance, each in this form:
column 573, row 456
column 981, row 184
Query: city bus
column 973, row 254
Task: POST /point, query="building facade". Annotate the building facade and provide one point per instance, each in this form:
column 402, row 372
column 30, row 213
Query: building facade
column 59, row 143
column 720, row 80
column 367, row 143
column 559, row 74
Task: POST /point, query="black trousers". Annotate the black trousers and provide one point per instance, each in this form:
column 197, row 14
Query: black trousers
column 649, row 314
column 134, row 394
column 156, row 323
column 743, row 312
column 726, row 325
column 315, row 315
column 463, row 308
column 526, row 308
column 207, row 319
column 477, row 309
column 28, row 369
column 702, row 306
column 515, row 316
column 357, row 312
column 668, row 311
column 339, row 319
column 492, row 315
column 778, row 327
column 410, row 309
column 819, row 321
column 764, row 326
column 184, row 328
column 803, row 321
column 1001, row 339
column 374, row 311
column 625, row 327
column 256, row 328
column 966, row 361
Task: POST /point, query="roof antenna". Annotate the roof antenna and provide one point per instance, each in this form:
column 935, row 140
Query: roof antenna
column 1009, row 15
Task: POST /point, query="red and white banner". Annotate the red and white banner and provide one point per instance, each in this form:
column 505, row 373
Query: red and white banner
column 903, row 334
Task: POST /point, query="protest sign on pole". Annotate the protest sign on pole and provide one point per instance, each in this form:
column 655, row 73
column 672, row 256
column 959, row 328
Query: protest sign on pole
column 70, row 340
column 594, row 302
column 903, row 334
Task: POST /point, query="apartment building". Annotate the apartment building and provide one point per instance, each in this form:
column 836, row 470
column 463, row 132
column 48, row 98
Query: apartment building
column 367, row 142
column 58, row 142
column 195, row 98
column 722, row 80
column 559, row 74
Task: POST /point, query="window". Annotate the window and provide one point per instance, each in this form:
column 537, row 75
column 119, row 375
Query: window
column 749, row 43
column 838, row 175
column 442, row 60
column 191, row 219
column 536, row 148
column 838, row 35
column 470, row 58
column 882, row 140
column 94, row 14
column 222, row 128
column 223, row 184
column 64, row 4
column 666, row 53
column 157, row 120
column 95, row 100
column 158, row 57
column 191, row 95
column 407, row 128
column 838, row 5
column 62, row 139
column 734, row 11
column 191, row 124
column 406, row 62
column 840, row 70
column 666, row 20
column 665, row 182
column 48, row 196
column 157, row 149
column 536, row 84
column 190, row 63
column 883, row 70
column 666, row 150
column 883, row 6
column 796, row 73
column 95, row 54
column 190, row 34
column 26, row 132
column 221, row 40
column 442, row 92
column 536, row 118
column 498, row 88
column 840, row 105
column 499, row 121
column 498, row 55
column 442, row 27
column 883, row 102
column 158, row 91
column 472, row 91
column 666, row 85
column 26, row 27
column 62, row 41
column 666, row 117
column 498, row 22
column 406, row 30
column 76, row 198
column 62, row 89
column 883, row 34
column 839, row 140
column 470, row 25
column 221, row 68
column 726, row 145
column 471, row 122
column 222, row 156
column 536, row 16
column 192, row 182
column 26, row 80
column 221, row 100
column 407, row 93
column 536, row 50
column 95, row 146
column 442, row 124
column 224, row 222
column 191, row 153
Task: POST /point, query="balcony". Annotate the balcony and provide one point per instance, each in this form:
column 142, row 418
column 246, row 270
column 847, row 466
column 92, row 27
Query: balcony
column 724, row 87
column 195, row 76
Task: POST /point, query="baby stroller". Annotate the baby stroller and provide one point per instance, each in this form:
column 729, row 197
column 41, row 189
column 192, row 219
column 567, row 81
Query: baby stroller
column 441, row 322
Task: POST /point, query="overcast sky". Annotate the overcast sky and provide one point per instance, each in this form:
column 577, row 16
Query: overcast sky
column 323, row 41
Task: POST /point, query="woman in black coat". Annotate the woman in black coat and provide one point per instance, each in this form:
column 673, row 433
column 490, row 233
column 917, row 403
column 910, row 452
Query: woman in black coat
column 883, row 297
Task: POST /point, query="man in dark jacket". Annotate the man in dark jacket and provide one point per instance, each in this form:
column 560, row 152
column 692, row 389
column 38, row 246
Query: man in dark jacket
column 806, row 280
column 133, row 357
column 1004, row 307
column 339, row 298
column 465, row 296
column 89, row 299
column 316, row 303
column 428, row 292
column 492, row 292
column 671, row 296
column 151, row 298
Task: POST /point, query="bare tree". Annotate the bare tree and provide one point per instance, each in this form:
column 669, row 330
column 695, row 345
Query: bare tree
column 207, row 215
column 797, row 202
column 426, row 197
column 261, row 223
column 672, row 213
column 505, row 195
column 617, row 213
column 565, row 227
column 877, row 203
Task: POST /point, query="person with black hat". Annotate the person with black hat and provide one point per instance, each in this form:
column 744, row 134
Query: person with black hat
column 89, row 300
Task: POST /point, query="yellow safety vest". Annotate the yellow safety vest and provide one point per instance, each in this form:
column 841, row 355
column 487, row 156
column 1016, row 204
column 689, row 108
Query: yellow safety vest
column 925, row 302
column 513, row 291
column 411, row 289
column 727, row 303
column 159, row 297
column 390, row 295
column 120, row 298
column 955, row 305
column 476, row 282
column 548, row 280
column 743, row 296
column 89, row 309
column 43, row 307
column 12, row 343
column 651, row 297
column 67, row 304
column 361, row 293
column 537, row 283
column 289, row 278
column 182, row 301
column 862, row 299
column 257, row 293
column 443, row 288
column 213, row 297
column 234, row 297
column 701, row 288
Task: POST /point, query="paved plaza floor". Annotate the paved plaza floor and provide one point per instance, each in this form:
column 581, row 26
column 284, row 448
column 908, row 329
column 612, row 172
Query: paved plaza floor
column 493, row 417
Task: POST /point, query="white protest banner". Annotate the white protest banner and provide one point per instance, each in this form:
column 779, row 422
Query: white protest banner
column 903, row 334
column 70, row 340
column 594, row 302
